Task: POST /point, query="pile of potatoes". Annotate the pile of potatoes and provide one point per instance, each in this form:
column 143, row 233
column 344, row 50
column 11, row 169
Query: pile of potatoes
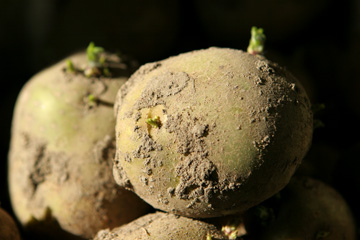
column 203, row 145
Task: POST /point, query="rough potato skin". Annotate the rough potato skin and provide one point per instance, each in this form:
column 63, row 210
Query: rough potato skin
column 8, row 228
column 162, row 226
column 311, row 209
column 232, row 129
column 61, row 154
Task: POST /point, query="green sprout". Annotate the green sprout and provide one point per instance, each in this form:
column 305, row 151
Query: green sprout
column 257, row 41
column 93, row 53
column 102, row 60
column 228, row 228
column 155, row 121
column 233, row 235
column 91, row 100
column 234, row 228
column 70, row 66
column 230, row 231
column 106, row 72
column 96, row 62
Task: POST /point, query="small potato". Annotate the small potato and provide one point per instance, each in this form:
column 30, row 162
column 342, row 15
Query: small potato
column 210, row 132
column 62, row 150
column 8, row 228
column 163, row 226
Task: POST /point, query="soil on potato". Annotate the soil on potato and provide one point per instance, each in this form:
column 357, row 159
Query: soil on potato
column 62, row 151
column 162, row 226
column 270, row 98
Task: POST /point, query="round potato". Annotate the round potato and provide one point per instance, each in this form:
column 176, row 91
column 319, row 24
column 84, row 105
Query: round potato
column 163, row 226
column 62, row 150
column 306, row 208
column 310, row 209
column 210, row 132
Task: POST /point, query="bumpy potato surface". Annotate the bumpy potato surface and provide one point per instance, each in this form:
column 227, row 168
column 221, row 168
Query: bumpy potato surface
column 210, row 132
column 62, row 150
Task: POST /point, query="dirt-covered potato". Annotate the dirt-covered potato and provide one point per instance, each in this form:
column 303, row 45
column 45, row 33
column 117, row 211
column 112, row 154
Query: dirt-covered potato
column 309, row 209
column 163, row 226
column 8, row 228
column 62, row 149
column 210, row 132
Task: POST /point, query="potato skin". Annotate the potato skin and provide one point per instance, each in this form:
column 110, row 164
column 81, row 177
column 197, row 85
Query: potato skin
column 307, row 208
column 232, row 129
column 61, row 154
column 310, row 209
column 8, row 228
column 162, row 226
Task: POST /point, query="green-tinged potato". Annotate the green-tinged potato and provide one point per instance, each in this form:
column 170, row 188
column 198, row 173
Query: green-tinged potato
column 62, row 148
column 162, row 226
column 309, row 209
column 8, row 228
column 210, row 132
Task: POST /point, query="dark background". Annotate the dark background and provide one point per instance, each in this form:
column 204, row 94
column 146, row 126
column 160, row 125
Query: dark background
column 319, row 41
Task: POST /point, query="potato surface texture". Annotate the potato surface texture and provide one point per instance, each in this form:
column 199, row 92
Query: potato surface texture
column 162, row 226
column 210, row 132
column 62, row 149
column 311, row 209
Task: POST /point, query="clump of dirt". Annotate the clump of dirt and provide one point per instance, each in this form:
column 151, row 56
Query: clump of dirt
column 197, row 174
column 41, row 164
column 198, row 180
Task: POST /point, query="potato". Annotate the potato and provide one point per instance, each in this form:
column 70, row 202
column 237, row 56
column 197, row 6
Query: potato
column 210, row 132
column 306, row 208
column 62, row 148
column 8, row 228
column 162, row 226
column 310, row 209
